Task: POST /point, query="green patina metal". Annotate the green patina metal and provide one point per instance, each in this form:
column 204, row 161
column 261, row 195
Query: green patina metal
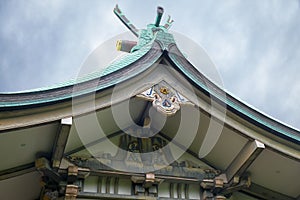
column 160, row 34
column 145, row 36
column 165, row 39
column 126, row 60
column 125, row 21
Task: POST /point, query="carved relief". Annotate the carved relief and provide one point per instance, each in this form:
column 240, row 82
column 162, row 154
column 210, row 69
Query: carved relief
column 145, row 154
column 164, row 98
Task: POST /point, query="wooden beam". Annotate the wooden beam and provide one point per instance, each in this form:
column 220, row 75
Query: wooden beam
column 60, row 142
column 243, row 160
column 245, row 182
column 163, row 177
column 83, row 147
column 84, row 172
column 89, row 195
column 17, row 171
column 264, row 193
column 43, row 165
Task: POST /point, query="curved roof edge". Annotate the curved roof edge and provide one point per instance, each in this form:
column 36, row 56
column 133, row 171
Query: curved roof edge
column 233, row 104
column 162, row 44
column 117, row 72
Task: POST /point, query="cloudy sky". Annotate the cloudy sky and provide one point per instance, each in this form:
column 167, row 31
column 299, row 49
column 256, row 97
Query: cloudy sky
column 255, row 45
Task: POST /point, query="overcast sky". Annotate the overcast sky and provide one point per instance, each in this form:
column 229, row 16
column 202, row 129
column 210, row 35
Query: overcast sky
column 255, row 45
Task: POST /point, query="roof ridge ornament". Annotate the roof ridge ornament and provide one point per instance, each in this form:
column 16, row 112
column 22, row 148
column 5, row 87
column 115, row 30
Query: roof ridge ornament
column 160, row 12
column 144, row 35
column 168, row 23
column 125, row 21
column 134, row 30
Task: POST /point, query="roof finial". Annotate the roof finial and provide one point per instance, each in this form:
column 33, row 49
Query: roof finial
column 169, row 22
column 125, row 21
column 160, row 12
column 144, row 35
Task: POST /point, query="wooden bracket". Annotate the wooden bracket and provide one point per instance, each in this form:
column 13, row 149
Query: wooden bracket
column 60, row 142
column 42, row 165
column 71, row 192
column 244, row 159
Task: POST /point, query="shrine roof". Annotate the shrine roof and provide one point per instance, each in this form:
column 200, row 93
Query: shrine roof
column 47, row 122
column 154, row 43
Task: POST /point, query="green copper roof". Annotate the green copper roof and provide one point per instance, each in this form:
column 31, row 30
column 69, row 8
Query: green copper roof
column 146, row 44
column 112, row 68
column 229, row 102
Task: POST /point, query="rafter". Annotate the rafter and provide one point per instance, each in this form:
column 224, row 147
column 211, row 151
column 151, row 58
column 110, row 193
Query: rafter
column 17, row 171
column 265, row 193
column 243, row 160
column 61, row 141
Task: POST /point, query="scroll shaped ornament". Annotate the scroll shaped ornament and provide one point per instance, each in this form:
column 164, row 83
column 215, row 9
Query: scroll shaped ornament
column 164, row 98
